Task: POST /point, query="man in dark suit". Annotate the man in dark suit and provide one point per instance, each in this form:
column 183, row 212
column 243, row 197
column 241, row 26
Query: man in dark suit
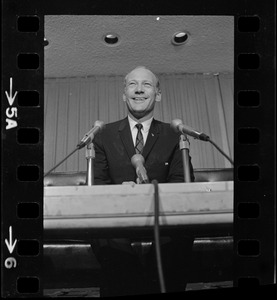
column 158, row 143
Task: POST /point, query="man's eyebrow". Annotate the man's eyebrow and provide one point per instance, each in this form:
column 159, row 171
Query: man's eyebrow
column 144, row 80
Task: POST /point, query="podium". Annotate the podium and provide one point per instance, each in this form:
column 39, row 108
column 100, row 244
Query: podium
column 83, row 212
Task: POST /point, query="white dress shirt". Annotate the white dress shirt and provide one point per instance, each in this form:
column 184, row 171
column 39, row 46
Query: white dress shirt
column 146, row 125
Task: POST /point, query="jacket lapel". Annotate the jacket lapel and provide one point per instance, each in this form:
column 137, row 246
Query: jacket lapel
column 152, row 137
column 126, row 137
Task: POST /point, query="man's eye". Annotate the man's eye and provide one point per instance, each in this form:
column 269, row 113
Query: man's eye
column 147, row 84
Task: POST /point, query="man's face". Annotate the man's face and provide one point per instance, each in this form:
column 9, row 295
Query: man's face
column 141, row 93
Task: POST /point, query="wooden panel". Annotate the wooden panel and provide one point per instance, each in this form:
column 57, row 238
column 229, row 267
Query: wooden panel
column 123, row 206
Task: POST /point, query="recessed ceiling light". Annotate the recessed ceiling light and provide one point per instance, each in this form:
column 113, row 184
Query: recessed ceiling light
column 111, row 39
column 179, row 38
column 45, row 42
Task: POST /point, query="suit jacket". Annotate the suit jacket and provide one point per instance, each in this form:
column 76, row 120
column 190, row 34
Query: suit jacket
column 114, row 148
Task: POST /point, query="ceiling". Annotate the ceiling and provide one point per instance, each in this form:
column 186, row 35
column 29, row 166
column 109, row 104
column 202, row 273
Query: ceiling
column 76, row 47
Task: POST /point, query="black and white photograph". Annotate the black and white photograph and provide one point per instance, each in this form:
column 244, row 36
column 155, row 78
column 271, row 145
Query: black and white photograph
column 138, row 148
column 138, row 154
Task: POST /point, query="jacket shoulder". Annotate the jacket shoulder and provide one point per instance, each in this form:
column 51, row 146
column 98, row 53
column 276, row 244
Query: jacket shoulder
column 166, row 128
column 113, row 125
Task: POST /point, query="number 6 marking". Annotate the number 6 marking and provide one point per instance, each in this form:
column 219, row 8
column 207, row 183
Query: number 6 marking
column 10, row 262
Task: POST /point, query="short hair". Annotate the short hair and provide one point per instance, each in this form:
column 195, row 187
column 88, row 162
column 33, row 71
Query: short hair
column 143, row 67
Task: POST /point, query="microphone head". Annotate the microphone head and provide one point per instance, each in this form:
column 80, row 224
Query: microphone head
column 100, row 124
column 175, row 123
column 136, row 159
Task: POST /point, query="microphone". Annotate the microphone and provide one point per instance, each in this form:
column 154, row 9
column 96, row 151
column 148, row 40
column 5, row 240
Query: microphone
column 177, row 125
column 137, row 161
column 88, row 137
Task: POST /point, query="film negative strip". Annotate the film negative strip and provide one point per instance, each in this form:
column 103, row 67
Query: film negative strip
column 22, row 143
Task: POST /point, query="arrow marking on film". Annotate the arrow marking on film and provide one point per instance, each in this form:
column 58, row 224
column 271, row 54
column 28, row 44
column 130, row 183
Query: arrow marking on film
column 10, row 96
column 10, row 243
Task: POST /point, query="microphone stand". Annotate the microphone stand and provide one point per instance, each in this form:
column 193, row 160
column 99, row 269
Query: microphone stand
column 77, row 148
column 90, row 155
column 184, row 147
column 221, row 151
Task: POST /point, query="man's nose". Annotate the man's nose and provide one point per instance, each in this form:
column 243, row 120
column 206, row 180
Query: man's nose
column 139, row 88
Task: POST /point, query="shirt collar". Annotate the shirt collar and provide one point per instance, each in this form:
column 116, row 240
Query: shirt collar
column 146, row 124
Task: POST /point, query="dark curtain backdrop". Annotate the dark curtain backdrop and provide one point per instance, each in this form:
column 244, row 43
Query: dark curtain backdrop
column 203, row 101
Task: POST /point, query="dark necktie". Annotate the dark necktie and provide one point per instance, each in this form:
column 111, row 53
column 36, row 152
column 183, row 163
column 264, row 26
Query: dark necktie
column 139, row 139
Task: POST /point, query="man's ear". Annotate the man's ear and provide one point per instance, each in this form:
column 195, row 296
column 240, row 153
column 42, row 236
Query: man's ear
column 158, row 96
column 124, row 97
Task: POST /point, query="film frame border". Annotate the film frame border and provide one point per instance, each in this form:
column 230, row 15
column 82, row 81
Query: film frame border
column 253, row 249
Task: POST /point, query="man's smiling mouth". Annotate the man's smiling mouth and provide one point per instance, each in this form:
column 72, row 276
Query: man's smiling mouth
column 139, row 99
